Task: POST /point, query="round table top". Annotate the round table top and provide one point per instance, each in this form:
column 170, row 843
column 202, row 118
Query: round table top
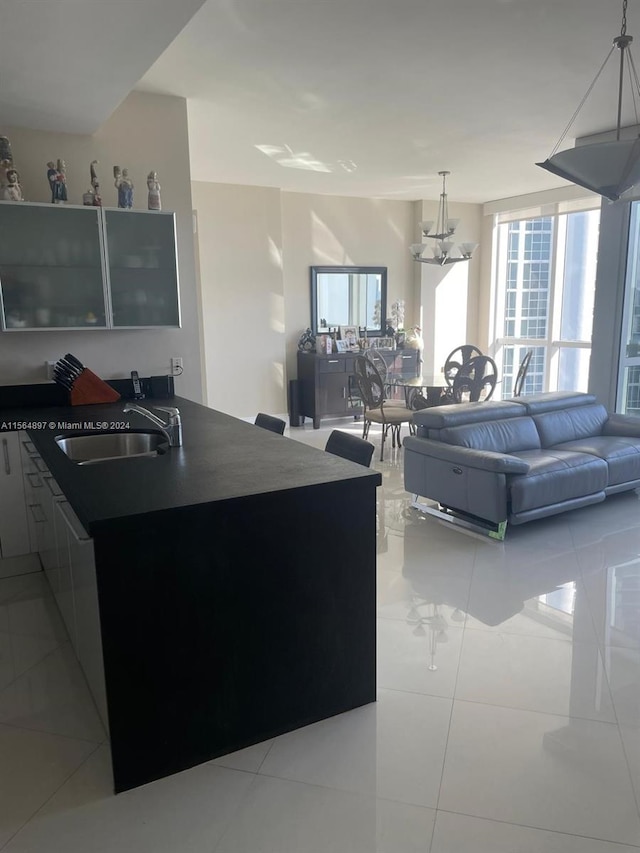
column 433, row 380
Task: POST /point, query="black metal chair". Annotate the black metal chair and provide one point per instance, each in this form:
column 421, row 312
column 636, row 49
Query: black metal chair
column 475, row 380
column 350, row 447
column 376, row 408
column 518, row 385
column 456, row 359
column 270, row 422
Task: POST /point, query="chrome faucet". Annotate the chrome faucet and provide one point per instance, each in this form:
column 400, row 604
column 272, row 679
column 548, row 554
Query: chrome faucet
column 172, row 428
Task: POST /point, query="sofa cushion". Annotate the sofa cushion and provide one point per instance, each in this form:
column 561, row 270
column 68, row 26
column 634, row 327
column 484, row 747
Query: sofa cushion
column 554, row 401
column 571, row 424
column 503, row 436
column 457, row 414
column 621, row 454
column 555, row 476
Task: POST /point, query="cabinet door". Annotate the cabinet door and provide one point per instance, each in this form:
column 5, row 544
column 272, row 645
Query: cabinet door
column 408, row 363
column 14, row 530
column 142, row 268
column 51, row 494
column 333, row 393
column 87, row 612
column 64, row 594
column 51, row 267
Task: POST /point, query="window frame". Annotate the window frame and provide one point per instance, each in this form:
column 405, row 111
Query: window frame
column 552, row 343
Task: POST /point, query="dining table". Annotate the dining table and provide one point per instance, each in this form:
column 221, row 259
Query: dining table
column 421, row 392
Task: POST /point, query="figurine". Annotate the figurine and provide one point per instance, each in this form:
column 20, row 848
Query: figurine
column 5, row 149
column 307, row 341
column 154, row 201
column 124, row 186
column 56, row 174
column 51, row 176
column 95, row 184
column 12, row 191
column 6, row 159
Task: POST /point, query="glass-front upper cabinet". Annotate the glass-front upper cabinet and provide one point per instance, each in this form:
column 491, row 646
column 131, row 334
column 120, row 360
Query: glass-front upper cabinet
column 143, row 273
column 51, row 267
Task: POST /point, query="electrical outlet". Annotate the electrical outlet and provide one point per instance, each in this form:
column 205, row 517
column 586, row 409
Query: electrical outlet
column 176, row 366
column 48, row 366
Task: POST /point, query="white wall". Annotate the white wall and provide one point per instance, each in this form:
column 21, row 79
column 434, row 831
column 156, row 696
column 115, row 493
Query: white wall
column 146, row 132
column 450, row 294
column 256, row 245
column 240, row 268
column 328, row 230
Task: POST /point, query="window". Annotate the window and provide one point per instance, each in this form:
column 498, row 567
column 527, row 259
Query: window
column 629, row 360
column 544, row 294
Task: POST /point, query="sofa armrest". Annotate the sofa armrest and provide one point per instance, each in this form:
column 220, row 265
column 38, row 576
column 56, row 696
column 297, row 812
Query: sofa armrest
column 625, row 425
column 486, row 460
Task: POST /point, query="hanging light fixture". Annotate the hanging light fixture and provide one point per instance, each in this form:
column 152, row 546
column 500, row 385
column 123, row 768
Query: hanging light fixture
column 607, row 168
column 444, row 230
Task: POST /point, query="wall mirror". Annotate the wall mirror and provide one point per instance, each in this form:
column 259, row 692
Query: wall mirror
column 349, row 296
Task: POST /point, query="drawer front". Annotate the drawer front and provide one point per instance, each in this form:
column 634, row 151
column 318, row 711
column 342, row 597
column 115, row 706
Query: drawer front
column 332, row 365
column 407, row 363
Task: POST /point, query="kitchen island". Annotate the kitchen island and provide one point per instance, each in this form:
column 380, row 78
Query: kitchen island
column 236, row 584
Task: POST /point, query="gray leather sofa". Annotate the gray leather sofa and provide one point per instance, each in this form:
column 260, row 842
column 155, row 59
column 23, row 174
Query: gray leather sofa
column 519, row 460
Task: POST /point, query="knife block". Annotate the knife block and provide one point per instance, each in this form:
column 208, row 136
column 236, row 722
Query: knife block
column 89, row 388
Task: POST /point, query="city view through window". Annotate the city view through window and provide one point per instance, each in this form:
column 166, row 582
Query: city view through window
column 545, row 291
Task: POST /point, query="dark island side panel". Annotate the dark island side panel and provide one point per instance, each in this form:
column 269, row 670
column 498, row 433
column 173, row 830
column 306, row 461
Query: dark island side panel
column 226, row 624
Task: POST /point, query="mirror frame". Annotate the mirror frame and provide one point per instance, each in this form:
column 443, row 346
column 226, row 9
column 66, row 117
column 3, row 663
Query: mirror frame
column 382, row 271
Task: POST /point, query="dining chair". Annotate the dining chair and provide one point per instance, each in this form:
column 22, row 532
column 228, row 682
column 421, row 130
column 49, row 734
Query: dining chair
column 270, row 422
column 475, row 380
column 350, row 447
column 518, row 385
column 455, row 360
column 376, row 408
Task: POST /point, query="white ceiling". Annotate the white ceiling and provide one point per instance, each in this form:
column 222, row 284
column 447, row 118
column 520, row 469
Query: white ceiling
column 398, row 88
column 65, row 65
column 347, row 97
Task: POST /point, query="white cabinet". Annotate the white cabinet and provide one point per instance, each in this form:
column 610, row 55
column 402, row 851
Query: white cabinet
column 14, row 528
column 77, row 597
column 73, row 267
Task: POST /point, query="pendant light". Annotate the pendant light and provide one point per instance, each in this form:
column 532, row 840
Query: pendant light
column 444, row 230
column 610, row 169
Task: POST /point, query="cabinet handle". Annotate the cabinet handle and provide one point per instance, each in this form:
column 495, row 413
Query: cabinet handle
column 80, row 535
column 333, row 361
column 344, row 393
column 29, row 447
column 52, row 486
column 35, row 513
column 407, row 356
column 7, row 461
column 33, row 485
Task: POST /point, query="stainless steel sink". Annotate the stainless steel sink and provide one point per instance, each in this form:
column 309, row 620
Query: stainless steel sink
column 105, row 446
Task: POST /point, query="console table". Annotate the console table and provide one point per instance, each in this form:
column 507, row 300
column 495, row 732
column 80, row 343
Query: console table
column 324, row 381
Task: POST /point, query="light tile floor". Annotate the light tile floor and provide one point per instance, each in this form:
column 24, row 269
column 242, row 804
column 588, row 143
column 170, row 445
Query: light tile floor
column 507, row 721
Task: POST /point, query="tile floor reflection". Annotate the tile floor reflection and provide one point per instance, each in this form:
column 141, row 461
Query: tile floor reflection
column 508, row 713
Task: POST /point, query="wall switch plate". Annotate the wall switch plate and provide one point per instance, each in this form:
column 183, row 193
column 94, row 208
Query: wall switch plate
column 176, row 366
column 48, row 366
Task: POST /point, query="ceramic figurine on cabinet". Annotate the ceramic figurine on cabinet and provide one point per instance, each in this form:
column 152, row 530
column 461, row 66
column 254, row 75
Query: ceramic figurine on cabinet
column 154, row 201
column 124, row 185
column 6, row 159
column 12, row 191
column 95, row 184
column 57, row 177
column 5, row 150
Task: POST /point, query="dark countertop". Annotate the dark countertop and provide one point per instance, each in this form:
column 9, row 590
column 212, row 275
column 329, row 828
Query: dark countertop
column 221, row 458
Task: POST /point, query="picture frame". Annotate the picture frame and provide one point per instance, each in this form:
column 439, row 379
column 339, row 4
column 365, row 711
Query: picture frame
column 342, row 346
column 349, row 335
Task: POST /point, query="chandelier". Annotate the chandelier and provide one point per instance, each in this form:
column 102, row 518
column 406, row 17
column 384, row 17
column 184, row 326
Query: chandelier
column 607, row 168
column 444, row 230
